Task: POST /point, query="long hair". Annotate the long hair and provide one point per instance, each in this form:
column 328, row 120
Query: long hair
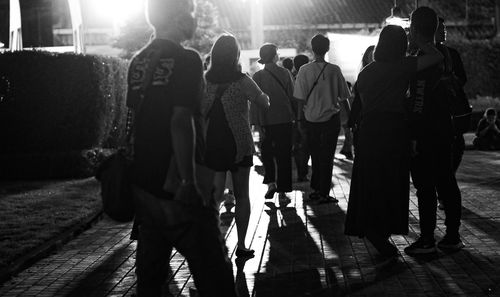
column 367, row 56
column 392, row 44
column 225, row 55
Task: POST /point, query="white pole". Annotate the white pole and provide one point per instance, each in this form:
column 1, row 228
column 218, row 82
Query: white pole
column 15, row 32
column 77, row 24
column 257, row 23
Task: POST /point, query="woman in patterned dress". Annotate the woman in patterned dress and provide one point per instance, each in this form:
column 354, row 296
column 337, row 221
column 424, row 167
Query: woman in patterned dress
column 229, row 142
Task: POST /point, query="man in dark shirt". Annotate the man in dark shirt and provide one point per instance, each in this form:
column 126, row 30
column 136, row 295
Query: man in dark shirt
column 164, row 91
column 432, row 133
column 457, row 68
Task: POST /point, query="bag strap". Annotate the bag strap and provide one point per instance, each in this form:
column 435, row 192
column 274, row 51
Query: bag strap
column 277, row 79
column 315, row 82
column 221, row 89
column 283, row 88
column 132, row 114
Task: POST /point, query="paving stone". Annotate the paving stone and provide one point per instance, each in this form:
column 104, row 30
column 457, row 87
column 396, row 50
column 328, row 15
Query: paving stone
column 300, row 250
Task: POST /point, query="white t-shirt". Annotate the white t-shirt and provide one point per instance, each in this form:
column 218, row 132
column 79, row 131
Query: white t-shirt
column 324, row 100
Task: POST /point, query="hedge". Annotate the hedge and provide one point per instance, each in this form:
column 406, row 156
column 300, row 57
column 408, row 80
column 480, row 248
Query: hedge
column 482, row 64
column 59, row 104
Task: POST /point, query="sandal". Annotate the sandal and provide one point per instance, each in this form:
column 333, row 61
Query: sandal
column 243, row 253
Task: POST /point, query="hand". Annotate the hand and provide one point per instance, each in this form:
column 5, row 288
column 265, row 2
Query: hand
column 262, row 132
column 189, row 194
column 302, row 129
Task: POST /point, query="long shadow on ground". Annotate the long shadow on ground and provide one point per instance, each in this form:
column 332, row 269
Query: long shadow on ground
column 293, row 258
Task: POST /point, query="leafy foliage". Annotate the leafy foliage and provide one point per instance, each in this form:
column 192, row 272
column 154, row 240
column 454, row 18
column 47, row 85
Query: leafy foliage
column 136, row 33
column 53, row 107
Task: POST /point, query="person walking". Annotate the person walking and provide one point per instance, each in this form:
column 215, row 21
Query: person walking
column 432, row 135
column 301, row 152
column 319, row 88
column 230, row 144
column 165, row 84
column 380, row 185
column 276, row 123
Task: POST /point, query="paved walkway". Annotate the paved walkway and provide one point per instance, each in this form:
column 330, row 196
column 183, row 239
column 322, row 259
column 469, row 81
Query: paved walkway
column 300, row 250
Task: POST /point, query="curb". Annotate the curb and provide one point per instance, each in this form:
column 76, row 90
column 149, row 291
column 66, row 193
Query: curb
column 48, row 247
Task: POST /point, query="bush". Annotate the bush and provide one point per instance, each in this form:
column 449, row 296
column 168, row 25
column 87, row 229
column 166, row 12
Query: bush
column 59, row 104
column 482, row 64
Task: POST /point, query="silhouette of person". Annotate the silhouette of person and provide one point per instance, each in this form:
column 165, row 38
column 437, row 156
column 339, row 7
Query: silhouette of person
column 230, row 144
column 354, row 116
column 432, row 138
column 488, row 131
column 457, row 69
column 165, row 85
column 301, row 152
column 320, row 88
column 276, row 123
column 379, row 195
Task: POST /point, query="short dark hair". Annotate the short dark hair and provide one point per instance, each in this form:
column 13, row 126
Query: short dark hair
column 392, row 44
column 320, row 44
column 425, row 21
column 287, row 63
column 300, row 60
column 367, row 56
column 161, row 14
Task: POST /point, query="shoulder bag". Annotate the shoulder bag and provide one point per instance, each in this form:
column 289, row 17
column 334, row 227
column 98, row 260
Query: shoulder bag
column 113, row 172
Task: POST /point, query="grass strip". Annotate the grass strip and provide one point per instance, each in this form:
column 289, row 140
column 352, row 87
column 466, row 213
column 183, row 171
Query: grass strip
column 34, row 212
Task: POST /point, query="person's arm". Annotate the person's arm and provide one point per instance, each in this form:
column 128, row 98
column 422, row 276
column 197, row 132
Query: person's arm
column 299, row 95
column 186, row 100
column 183, row 144
column 482, row 128
column 431, row 56
column 344, row 92
column 495, row 127
column 355, row 109
column 255, row 94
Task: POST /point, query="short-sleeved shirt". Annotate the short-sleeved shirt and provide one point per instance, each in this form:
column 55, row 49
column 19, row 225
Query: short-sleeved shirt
column 383, row 86
column 430, row 114
column 324, row 100
column 177, row 81
column 280, row 95
column 235, row 101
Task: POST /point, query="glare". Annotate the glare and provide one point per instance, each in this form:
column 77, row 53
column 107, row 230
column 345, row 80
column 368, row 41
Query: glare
column 118, row 10
column 403, row 22
column 346, row 50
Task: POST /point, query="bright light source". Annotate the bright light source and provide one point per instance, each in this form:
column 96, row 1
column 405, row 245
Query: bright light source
column 119, row 10
column 346, row 50
column 402, row 22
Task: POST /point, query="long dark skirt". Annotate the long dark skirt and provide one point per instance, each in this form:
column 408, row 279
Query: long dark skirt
column 379, row 194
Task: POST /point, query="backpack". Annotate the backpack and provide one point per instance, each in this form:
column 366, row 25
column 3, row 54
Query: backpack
column 459, row 106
